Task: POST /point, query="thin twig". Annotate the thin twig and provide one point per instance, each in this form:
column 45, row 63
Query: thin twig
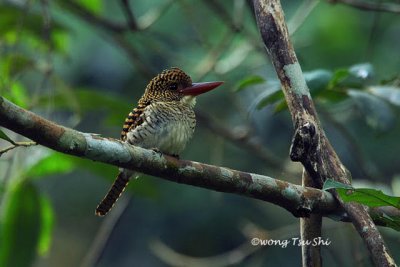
column 301, row 15
column 152, row 16
column 17, row 144
column 227, row 18
column 129, row 15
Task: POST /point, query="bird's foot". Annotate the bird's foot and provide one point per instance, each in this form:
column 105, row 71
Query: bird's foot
column 174, row 155
column 156, row 150
column 161, row 153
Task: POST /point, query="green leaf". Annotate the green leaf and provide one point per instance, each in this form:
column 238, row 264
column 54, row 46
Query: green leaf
column 95, row 6
column 55, row 163
column 46, row 229
column 392, row 222
column 338, row 76
column 366, row 196
column 11, row 16
column 317, row 80
column 356, row 77
column 5, row 137
column 280, row 106
column 18, row 94
column 370, row 197
column 389, row 93
column 247, row 82
column 333, row 96
column 332, row 184
column 61, row 40
column 274, row 96
column 377, row 112
column 20, row 230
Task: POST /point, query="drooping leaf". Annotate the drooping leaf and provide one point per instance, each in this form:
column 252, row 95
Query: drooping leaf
column 247, row 82
column 20, row 231
column 5, row 137
column 377, row 112
column 389, row 93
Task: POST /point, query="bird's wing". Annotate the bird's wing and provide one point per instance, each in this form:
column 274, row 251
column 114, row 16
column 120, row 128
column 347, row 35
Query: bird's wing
column 134, row 119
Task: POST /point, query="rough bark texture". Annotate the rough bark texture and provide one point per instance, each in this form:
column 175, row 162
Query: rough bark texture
column 310, row 146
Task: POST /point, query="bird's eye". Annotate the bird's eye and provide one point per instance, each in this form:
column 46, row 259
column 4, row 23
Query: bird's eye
column 173, row 86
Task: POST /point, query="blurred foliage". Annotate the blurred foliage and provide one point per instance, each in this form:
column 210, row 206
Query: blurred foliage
column 84, row 64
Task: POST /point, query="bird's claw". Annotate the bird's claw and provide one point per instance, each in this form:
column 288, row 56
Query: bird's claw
column 161, row 153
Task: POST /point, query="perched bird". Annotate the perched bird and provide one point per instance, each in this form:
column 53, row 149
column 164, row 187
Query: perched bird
column 163, row 120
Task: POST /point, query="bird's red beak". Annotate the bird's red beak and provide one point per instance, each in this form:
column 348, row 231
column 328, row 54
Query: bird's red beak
column 199, row 88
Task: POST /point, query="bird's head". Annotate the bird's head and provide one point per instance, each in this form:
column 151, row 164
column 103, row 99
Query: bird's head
column 175, row 85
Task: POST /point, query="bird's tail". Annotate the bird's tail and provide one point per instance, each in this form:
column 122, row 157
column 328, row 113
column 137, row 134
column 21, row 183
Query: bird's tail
column 114, row 193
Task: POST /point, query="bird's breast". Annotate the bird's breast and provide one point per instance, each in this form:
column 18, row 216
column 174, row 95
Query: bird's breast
column 167, row 127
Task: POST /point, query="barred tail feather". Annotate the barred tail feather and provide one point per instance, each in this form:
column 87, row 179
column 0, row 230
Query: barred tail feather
column 114, row 193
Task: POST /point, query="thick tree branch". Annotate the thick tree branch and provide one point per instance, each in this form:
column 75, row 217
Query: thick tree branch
column 299, row 200
column 310, row 145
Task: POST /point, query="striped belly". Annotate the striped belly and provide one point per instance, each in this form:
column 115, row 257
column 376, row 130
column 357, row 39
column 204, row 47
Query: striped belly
column 165, row 127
